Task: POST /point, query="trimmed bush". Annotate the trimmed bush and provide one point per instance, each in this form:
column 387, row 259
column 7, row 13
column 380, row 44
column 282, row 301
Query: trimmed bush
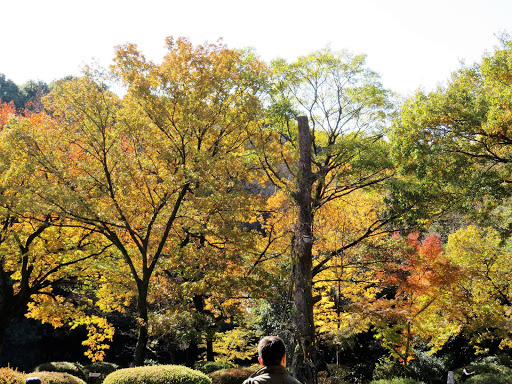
column 397, row 380
column 56, row 377
column 74, row 369
column 212, row 366
column 11, row 376
column 232, row 375
column 157, row 374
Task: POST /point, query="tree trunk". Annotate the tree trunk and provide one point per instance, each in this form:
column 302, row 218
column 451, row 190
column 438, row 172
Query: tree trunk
column 142, row 339
column 303, row 362
column 192, row 354
column 209, row 350
column 4, row 323
column 6, row 304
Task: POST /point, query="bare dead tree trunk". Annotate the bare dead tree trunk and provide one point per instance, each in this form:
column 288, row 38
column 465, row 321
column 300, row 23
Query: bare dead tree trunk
column 303, row 362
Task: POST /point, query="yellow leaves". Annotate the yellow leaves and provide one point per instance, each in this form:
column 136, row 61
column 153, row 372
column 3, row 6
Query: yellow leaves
column 110, row 300
column 99, row 332
column 235, row 344
column 48, row 309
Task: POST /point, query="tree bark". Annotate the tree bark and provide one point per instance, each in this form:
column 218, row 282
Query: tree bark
column 142, row 338
column 303, row 362
column 6, row 303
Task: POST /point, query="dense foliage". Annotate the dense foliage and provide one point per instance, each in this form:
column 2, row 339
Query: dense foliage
column 195, row 213
column 172, row 374
column 56, row 378
column 231, row 375
column 74, row 369
column 11, row 376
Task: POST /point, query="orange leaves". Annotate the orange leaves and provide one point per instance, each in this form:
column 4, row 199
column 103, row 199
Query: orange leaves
column 6, row 111
column 415, row 279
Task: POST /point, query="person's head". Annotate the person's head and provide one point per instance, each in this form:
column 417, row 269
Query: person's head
column 271, row 351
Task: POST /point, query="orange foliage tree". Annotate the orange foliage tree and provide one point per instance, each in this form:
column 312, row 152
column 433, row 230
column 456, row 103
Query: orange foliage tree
column 414, row 277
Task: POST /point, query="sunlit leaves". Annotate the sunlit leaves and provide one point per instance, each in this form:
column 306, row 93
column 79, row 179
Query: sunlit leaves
column 481, row 301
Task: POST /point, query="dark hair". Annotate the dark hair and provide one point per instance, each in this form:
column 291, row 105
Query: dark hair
column 271, row 350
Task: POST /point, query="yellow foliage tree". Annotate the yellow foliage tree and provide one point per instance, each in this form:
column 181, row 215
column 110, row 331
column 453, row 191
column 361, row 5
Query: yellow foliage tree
column 155, row 172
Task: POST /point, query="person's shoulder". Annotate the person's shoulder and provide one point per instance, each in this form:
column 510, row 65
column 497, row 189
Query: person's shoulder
column 292, row 380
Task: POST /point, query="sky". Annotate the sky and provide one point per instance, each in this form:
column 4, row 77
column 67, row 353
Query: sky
column 412, row 44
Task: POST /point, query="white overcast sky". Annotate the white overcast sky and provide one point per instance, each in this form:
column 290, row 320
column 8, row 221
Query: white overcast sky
column 411, row 43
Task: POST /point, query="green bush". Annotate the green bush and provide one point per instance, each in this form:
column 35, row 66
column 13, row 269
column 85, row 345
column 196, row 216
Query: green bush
column 487, row 367
column 212, row 366
column 75, row 369
column 428, row 368
column 388, row 369
column 501, row 359
column 11, row 376
column 490, row 378
column 56, row 378
column 396, row 380
column 157, row 374
column 231, row 375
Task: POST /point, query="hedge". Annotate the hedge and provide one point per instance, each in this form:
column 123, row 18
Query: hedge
column 157, row 374
column 56, row 378
column 232, row 375
column 75, row 369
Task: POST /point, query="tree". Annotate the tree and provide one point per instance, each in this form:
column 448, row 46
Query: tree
column 27, row 96
column 40, row 257
column 415, row 278
column 157, row 171
column 340, row 150
column 9, row 91
column 32, row 92
column 481, row 300
column 453, row 144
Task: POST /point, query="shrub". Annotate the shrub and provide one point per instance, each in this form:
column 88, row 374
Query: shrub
column 428, row 368
column 212, row 366
column 11, row 376
column 74, row 369
column 56, row 378
column 157, row 374
column 231, row 375
column 490, row 378
column 397, row 380
column 487, row 367
column 388, row 369
column 501, row 359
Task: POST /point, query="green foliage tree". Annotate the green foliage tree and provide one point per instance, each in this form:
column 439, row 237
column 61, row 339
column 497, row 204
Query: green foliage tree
column 9, row 91
column 341, row 153
column 453, row 144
